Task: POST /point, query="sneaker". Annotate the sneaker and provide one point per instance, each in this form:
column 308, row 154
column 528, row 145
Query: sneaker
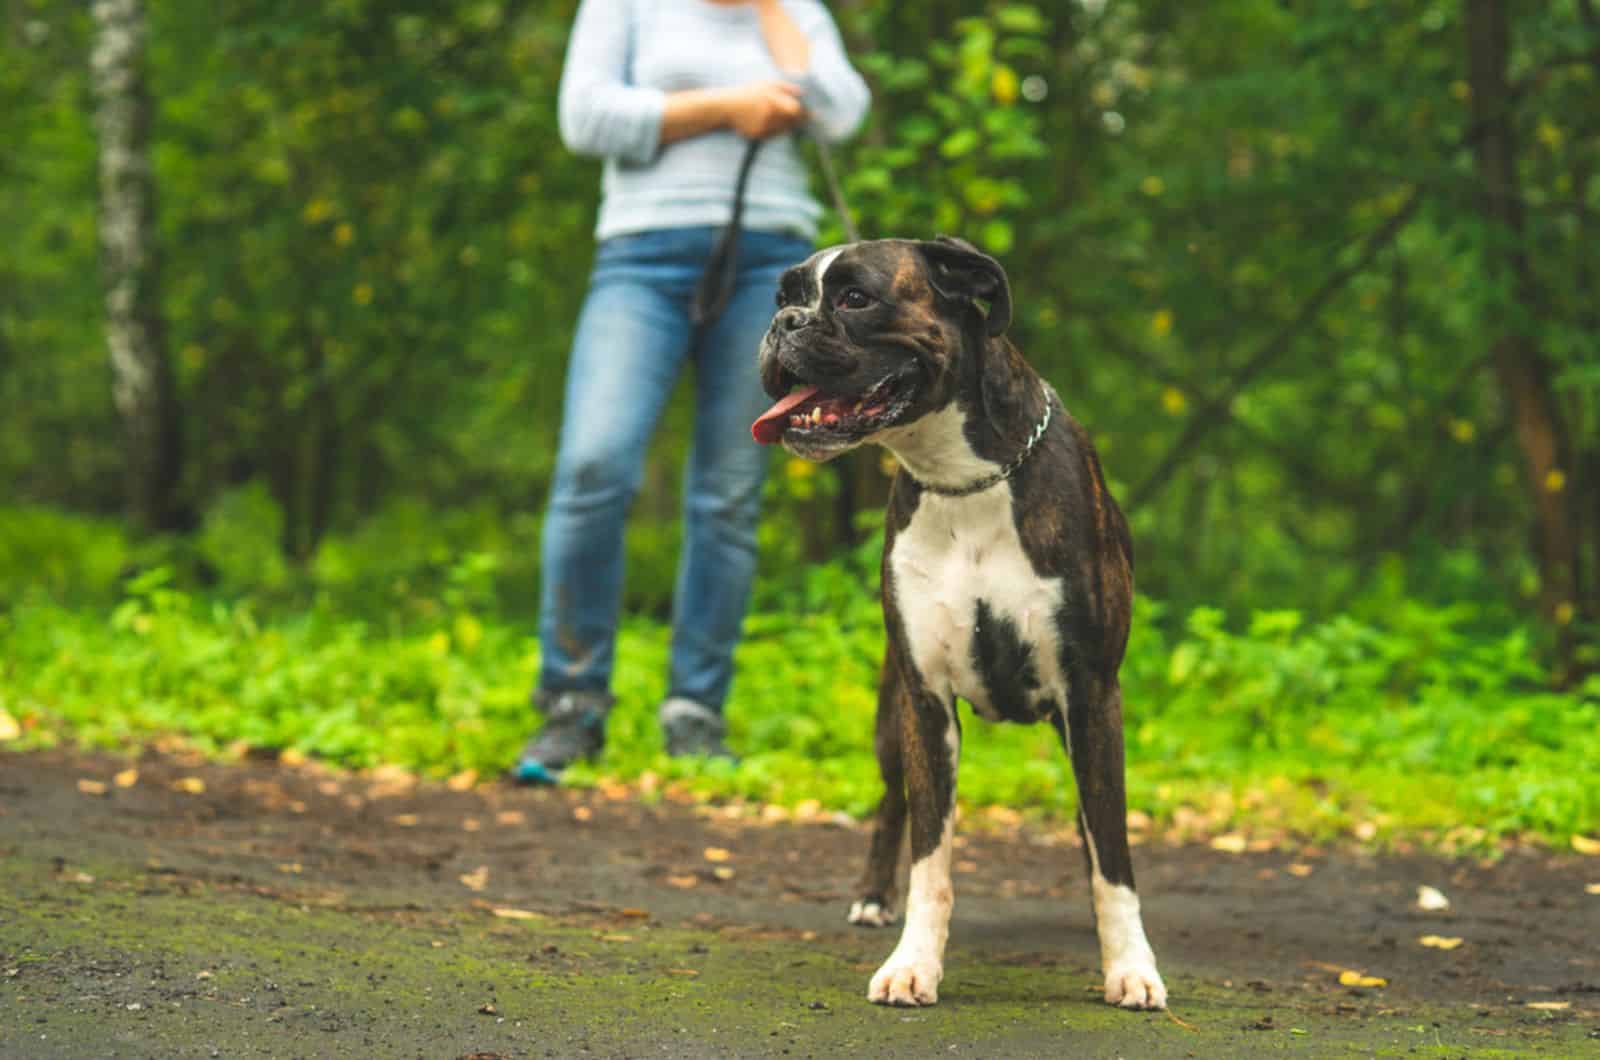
column 693, row 728
column 574, row 728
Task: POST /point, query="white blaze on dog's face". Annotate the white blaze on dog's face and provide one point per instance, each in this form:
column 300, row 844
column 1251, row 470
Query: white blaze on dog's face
column 819, row 269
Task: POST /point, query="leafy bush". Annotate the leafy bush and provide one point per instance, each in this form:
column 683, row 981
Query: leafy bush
column 1423, row 723
column 71, row 556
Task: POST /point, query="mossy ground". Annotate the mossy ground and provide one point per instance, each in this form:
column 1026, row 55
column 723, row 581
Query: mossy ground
column 113, row 959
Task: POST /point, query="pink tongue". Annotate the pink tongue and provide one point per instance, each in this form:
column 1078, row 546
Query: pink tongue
column 769, row 428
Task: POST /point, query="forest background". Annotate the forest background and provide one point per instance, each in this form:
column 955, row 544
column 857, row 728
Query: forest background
column 1318, row 275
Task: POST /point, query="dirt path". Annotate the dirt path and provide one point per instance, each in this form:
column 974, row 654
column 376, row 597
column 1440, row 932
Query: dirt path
column 300, row 912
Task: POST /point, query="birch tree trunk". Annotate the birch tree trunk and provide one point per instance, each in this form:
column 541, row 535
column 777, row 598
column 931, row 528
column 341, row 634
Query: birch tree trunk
column 142, row 382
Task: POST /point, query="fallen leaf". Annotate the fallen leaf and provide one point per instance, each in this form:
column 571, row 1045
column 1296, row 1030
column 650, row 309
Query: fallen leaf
column 470, row 824
column 1591, row 888
column 189, row 785
column 582, row 813
column 477, row 879
column 683, row 882
column 717, row 854
column 722, row 872
column 291, row 756
column 1230, row 843
column 1584, row 845
column 511, row 817
column 1366, row 831
column 296, row 806
column 1440, row 942
column 9, row 729
column 1550, row 1006
column 688, row 973
column 616, row 938
column 91, row 787
column 506, row 913
column 488, row 1009
column 1299, row 869
column 292, row 867
column 633, row 912
column 404, row 820
column 1003, row 815
column 81, row 877
column 1351, row 977
column 1431, row 899
column 462, row 781
column 126, row 779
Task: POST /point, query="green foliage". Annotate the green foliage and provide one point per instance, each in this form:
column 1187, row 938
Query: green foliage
column 1422, row 723
column 241, row 539
column 957, row 135
column 70, row 556
column 373, row 251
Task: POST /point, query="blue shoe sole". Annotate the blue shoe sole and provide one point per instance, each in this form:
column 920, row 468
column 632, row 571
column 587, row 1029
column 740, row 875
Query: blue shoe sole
column 529, row 771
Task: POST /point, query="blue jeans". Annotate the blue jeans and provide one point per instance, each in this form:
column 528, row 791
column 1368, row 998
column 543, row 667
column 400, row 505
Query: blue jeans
column 633, row 338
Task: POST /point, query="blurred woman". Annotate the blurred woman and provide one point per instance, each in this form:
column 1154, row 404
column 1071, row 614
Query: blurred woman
column 670, row 94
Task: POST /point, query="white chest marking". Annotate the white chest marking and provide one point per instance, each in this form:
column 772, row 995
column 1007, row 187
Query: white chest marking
column 955, row 552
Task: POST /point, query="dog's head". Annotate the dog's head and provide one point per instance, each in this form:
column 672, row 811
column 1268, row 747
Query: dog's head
column 875, row 335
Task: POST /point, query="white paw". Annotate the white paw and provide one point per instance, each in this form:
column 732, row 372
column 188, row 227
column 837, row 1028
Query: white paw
column 869, row 913
column 1135, row 984
column 906, row 983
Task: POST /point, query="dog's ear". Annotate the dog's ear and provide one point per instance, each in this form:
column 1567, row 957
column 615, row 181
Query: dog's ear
column 960, row 270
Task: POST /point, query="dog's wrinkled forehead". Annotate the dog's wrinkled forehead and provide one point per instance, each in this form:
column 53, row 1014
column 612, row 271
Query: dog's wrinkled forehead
column 893, row 262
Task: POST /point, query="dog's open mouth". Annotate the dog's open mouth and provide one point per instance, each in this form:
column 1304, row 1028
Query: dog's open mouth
column 807, row 413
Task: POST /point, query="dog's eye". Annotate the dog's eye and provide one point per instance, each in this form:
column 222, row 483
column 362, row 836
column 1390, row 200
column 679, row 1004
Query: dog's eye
column 853, row 298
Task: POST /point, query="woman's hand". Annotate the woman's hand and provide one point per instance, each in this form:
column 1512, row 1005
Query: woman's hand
column 755, row 110
column 764, row 108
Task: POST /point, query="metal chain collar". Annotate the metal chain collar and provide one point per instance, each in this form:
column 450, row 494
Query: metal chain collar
column 1006, row 472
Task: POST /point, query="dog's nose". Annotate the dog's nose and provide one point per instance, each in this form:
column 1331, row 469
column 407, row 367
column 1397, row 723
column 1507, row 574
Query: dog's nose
column 791, row 319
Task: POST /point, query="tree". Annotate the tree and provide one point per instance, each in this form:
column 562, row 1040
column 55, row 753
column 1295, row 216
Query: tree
column 142, row 381
column 1523, row 370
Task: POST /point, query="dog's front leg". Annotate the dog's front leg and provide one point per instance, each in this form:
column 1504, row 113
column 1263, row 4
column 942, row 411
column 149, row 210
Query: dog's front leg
column 1093, row 735
column 875, row 907
column 930, row 746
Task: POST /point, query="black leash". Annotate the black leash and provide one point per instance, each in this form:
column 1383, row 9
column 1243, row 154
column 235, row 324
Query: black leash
column 716, row 284
column 840, row 207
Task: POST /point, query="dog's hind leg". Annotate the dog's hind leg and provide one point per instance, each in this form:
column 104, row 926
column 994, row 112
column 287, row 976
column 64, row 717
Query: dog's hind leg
column 930, row 746
column 1092, row 732
column 875, row 906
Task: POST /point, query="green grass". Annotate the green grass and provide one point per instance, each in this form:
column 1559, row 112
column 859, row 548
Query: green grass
column 1425, row 726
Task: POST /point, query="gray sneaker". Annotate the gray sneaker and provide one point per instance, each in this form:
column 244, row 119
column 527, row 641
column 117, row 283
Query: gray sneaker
column 693, row 728
column 574, row 728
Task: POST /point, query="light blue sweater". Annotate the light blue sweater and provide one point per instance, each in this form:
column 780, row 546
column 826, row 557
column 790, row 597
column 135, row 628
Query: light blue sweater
column 623, row 59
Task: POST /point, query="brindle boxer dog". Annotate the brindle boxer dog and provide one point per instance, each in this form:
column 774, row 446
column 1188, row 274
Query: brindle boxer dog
column 1007, row 568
